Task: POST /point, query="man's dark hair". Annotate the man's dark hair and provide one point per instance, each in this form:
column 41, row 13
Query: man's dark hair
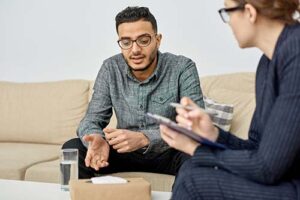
column 133, row 14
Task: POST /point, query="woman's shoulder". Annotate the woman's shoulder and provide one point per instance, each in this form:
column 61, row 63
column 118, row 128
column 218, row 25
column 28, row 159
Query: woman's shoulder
column 287, row 55
column 289, row 41
column 294, row 28
column 292, row 35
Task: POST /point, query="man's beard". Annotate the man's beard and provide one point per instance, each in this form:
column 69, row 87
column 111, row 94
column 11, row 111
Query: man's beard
column 151, row 59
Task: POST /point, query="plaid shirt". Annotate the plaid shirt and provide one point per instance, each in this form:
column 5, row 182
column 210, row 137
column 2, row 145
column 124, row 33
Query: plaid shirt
column 116, row 88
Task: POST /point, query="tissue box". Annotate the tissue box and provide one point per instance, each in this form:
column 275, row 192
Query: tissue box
column 135, row 188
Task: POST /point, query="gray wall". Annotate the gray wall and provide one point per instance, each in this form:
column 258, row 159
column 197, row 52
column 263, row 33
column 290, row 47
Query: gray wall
column 42, row 40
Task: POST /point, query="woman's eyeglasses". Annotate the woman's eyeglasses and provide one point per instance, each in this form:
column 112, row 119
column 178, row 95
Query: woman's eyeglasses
column 224, row 12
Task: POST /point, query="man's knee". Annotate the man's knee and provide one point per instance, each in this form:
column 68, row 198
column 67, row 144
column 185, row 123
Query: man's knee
column 74, row 143
column 182, row 157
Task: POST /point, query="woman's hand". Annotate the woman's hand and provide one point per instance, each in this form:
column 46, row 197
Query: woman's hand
column 178, row 141
column 196, row 120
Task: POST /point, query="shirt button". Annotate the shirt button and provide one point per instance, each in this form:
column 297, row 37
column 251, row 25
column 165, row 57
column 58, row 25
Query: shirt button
column 161, row 99
column 216, row 167
column 142, row 125
column 141, row 106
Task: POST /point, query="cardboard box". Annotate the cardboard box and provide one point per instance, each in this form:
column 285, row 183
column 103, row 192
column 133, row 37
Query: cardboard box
column 135, row 189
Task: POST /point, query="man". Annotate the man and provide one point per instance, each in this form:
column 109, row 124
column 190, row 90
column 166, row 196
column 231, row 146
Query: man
column 139, row 80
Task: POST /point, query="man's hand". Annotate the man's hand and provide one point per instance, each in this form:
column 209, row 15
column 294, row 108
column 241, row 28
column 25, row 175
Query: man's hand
column 124, row 140
column 98, row 151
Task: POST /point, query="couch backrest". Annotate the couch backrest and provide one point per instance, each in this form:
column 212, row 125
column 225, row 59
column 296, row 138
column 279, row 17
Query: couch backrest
column 42, row 112
column 237, row 89
column 50, row 112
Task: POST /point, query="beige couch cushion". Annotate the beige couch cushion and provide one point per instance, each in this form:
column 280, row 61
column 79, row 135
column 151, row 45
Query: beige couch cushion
column 237, row 89
column 44, row 172
column 17, row 157
column 42, row 112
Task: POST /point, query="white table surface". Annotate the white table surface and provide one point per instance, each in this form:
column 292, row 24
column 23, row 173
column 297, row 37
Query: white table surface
column 20, row 190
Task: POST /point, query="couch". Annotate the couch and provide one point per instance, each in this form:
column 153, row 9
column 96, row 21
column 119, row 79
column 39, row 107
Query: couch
column 37, row 118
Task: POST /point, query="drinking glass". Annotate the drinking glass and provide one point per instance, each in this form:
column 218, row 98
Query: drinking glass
column 68, row 167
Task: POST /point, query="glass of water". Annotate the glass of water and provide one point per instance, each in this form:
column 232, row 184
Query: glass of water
column 68, row 167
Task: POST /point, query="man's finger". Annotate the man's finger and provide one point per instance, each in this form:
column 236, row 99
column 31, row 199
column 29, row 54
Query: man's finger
column 112, row 135
column 109, row 130
column 99, row 162
column 120, row 145
column 123, row 150
column 114, row 141
column 87, row 160
column 102, row 163
column 95, row 166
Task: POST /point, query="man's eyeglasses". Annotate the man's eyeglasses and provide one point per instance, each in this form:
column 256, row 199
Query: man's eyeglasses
column 224, row 12
column 141, row 41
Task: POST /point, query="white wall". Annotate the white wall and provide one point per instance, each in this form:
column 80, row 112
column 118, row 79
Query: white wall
column 42, row 40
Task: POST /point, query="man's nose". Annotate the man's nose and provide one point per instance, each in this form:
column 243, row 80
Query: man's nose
column 135, row 47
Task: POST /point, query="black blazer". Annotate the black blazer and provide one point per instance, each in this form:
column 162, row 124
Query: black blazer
column 271, row 155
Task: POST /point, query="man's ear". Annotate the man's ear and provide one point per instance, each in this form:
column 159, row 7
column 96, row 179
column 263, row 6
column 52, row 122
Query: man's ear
column 251, row 13
column 158, row 38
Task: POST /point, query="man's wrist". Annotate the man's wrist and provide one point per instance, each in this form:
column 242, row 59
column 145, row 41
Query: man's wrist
column 102, row 140
column 145, row 141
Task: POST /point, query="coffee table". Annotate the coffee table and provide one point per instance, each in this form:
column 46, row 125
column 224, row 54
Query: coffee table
column 20, row 190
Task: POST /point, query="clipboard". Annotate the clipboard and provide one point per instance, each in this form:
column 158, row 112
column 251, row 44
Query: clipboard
column 172, row 125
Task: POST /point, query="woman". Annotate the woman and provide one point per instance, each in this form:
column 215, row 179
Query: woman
column 266, row 166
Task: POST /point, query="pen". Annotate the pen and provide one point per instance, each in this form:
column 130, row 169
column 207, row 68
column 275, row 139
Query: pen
column 190, row 108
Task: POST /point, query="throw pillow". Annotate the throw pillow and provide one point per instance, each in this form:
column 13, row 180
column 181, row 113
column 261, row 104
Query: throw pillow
column 224, row 113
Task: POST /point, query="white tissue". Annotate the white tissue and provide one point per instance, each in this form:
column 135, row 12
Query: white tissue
column 108, row 180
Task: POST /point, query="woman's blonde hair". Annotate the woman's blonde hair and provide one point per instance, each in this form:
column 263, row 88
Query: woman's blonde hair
column 283, row 10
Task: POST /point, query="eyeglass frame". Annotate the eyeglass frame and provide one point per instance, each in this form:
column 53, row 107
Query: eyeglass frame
column 228, row 10
column 132, row 41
